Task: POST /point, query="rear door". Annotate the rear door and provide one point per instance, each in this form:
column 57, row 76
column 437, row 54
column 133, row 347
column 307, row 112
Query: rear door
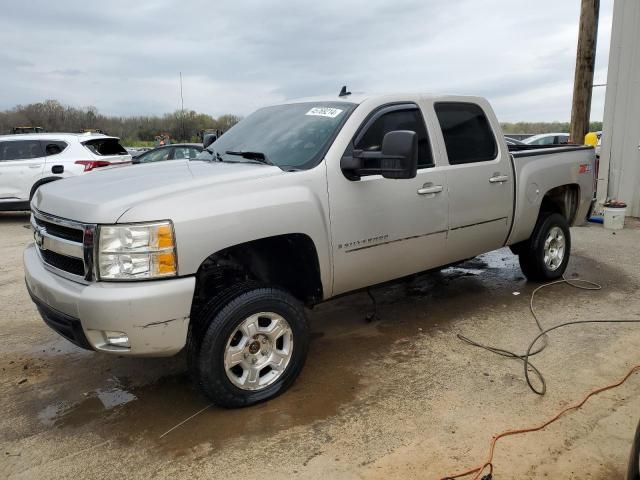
column 479, row 178
column 21, row 165
column 53, row 149
column 384, row 228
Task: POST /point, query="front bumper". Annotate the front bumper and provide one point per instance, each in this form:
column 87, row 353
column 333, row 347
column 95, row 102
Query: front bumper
column 153, row 314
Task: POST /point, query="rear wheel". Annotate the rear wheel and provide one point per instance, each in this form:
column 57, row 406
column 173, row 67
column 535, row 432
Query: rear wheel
column 252, row 348
column 545, row 255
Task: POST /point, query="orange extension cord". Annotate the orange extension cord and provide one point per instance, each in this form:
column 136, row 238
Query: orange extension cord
column 489, row 463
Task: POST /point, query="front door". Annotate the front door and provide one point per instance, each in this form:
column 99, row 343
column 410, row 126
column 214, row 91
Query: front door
column 384, row 228
column 21, row 165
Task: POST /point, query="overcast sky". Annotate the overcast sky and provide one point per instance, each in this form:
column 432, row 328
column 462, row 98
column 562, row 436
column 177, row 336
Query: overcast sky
column 123, row 56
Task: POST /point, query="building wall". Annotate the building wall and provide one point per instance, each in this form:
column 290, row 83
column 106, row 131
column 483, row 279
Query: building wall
column 619, row 174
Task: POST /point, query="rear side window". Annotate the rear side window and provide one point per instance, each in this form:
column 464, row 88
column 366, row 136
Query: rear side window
column 20, row 150
column 105, row 146
column 53, row 147
column 467, row 133
column 409, row 119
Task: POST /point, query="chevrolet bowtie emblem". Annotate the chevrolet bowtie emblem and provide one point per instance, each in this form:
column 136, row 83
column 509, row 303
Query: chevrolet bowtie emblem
column 38, row 235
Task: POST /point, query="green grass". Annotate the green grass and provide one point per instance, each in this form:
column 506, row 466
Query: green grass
column 138, row 143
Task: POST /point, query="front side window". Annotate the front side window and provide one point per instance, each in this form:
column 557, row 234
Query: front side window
column 181, row 153
column 20, row 150
column 467, row 133
column 154, row 156
column 292, row 136
column 401, row 119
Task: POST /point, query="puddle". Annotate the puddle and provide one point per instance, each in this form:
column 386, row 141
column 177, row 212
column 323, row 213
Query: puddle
column 100, row 400
column 452, row 271
column 49, row 414
column 128, row 413
column 152, row 410
column 114, row 397
column 139, row 400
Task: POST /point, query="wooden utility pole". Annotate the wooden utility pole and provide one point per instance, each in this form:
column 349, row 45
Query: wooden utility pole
column 184, row 134
column 585, row 65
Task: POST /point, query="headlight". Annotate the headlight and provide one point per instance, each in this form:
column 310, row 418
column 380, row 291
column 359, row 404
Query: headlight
column 139, row 251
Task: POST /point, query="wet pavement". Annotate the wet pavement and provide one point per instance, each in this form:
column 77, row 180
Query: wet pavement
column 399, row 396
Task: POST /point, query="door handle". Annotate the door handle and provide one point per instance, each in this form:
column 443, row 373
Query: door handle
column 428, row 188
column 35, row 166
column 499, row 178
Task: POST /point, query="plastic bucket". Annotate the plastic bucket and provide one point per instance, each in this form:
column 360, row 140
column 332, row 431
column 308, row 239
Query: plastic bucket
column 614, row 218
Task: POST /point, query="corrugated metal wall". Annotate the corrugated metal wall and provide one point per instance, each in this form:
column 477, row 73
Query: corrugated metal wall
column 620, row 155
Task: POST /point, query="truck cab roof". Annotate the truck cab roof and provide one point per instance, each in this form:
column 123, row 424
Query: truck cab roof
column 359, row 98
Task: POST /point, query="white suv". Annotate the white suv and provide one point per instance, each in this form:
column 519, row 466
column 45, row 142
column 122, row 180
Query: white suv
column 28, row 161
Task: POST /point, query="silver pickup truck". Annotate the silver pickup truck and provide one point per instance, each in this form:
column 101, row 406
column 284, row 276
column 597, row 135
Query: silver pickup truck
column 296, row 204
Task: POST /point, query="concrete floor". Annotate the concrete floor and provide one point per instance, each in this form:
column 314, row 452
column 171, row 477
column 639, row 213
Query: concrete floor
column 401, row 397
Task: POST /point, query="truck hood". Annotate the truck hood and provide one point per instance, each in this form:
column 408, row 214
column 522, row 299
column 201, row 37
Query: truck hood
column 104, row 196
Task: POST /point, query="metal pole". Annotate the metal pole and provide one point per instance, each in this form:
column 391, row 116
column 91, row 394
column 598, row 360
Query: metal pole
column 585, row 65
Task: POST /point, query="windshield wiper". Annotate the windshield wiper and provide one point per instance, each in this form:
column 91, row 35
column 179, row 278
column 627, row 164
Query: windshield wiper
column 215, row 155
column 257, row 156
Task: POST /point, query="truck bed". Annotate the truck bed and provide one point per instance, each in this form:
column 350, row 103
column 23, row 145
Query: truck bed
column 532, row 150
column 541, row 169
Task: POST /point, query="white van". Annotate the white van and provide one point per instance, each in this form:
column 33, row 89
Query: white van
column 30, row 160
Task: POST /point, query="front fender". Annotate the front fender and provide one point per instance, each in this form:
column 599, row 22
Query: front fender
column 208, row 220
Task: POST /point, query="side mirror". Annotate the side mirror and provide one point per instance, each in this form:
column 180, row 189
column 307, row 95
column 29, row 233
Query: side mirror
column 398, row 158
column 208, row 139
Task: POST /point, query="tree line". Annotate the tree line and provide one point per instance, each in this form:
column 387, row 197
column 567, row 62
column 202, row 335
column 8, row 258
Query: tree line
column 56, row 117
column 544, row 127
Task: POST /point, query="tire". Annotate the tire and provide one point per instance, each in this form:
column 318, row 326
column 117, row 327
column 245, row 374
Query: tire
column 250, row 347
column 198, row 325
column 542, row 259
column 633, row 469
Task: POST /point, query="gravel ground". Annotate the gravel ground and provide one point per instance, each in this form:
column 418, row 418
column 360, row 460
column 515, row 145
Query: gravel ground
column 400, row 397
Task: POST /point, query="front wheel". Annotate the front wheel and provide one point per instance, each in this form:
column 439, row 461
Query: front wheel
column 252, row 349
column 544, row 257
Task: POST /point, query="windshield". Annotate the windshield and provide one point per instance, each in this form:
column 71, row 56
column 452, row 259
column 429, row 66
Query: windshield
column 292, row 136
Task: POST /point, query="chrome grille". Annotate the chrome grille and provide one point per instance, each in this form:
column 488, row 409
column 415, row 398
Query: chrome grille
column 71, row 265
column 66, row 233
column 65, row 246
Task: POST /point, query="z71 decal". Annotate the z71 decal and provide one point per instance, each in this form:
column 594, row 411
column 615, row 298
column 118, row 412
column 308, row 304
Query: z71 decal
column 584, row 168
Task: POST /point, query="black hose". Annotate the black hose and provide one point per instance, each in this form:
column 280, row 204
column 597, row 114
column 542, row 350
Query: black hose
column 525, row 358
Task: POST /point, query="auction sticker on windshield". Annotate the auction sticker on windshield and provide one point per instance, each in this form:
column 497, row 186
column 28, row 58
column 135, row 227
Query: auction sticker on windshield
column 324, row 112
